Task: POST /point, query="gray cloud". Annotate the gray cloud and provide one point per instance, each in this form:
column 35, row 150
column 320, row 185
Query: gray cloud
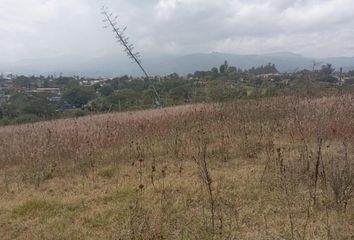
column 49, row 28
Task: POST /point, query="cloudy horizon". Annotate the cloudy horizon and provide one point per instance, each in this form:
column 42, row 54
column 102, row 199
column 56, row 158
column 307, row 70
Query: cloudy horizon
column 50, row 28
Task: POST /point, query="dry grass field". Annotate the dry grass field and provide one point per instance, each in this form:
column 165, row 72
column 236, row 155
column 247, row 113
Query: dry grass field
column 277, row 168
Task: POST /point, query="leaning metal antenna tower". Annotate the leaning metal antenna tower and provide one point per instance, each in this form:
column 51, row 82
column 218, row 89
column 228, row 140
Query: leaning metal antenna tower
column 111, row 22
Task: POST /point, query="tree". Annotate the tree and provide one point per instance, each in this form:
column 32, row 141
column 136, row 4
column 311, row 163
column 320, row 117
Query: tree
column 78, row 96
column 326, row 70
column 214, row 73
column 180, row 93
column 270, row 68
column 232, row 70
column 46, row 83
column 23, row 81
column 39, row 106
column 326, row 74
column 106, row 90
column 33, row 104
column 224, row 67
column 199, row 74
column 65, row 81
column 101, row 104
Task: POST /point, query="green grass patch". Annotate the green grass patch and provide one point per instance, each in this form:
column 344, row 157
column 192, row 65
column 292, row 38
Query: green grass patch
column 43, row 208
column 122, row 195
column 35, row 208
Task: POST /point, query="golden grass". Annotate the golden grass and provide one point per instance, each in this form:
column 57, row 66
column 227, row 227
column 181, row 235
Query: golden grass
column 275, row 165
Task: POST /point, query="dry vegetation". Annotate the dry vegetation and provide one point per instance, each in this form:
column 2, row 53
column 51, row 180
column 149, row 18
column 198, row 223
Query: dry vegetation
column 280, row 168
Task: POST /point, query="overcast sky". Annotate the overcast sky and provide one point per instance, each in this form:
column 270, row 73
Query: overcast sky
column 50, row 28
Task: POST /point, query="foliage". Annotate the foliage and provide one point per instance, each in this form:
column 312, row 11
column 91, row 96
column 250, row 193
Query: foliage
column 78, row 96
column 106, row 90
column 32, row 104
column 223, row 83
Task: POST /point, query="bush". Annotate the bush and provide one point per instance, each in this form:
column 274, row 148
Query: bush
column 26, row 118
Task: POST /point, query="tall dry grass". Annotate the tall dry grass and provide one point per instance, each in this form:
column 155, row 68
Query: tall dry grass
column 276, row 168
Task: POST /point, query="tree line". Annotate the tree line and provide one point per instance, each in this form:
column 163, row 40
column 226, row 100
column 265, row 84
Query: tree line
column 133, row 93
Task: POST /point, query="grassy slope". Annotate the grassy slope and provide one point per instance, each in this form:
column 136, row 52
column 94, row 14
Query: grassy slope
column 137, row 176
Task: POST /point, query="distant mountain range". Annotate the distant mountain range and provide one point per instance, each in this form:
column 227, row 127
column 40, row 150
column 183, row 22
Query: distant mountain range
column 115, row 66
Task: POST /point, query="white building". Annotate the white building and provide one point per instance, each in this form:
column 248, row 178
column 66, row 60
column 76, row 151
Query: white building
column 8, row 76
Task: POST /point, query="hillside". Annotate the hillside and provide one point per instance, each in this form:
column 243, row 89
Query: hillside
column 276, row 168
column 161, row 65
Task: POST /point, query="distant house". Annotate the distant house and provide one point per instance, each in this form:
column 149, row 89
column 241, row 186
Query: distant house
column 348, row 80
column 54, row 99
column 91, row 82
column 53, row 91
column 8, row 76
column 268, row 76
